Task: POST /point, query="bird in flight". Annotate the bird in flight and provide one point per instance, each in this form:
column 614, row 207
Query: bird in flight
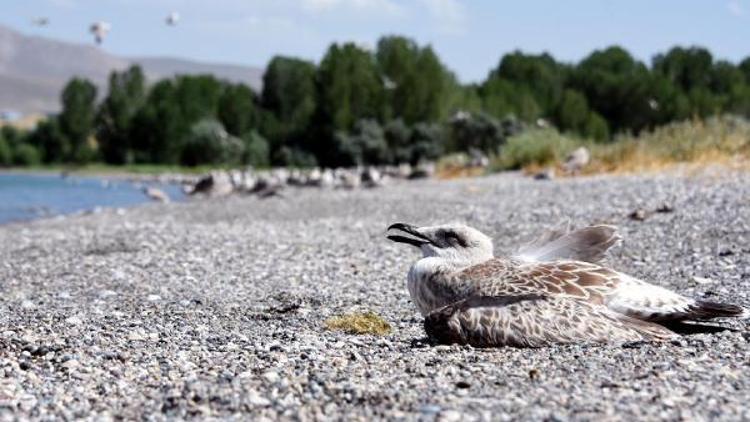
column 553, row 291
column 41, row 21
column 100, row 30
column 172, row 19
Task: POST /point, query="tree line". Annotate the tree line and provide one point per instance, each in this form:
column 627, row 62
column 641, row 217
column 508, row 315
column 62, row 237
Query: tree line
column 397, row 103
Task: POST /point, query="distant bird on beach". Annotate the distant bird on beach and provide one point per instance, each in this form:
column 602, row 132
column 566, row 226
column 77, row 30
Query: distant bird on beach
column 554, row 291
column 156, row 194
column 577, row 160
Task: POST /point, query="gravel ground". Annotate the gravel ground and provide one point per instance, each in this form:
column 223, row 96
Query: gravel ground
column 216, row 309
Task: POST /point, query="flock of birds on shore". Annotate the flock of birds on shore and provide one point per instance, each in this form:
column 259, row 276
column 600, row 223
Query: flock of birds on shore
column 100, row 29
column 267, row 183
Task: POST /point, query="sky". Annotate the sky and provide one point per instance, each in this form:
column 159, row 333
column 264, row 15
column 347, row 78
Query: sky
column 470, row 36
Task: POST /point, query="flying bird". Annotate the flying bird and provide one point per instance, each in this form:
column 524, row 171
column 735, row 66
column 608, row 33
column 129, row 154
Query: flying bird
column 173, row 18
column 553, row 291
column 40, row 21
column 100, row 30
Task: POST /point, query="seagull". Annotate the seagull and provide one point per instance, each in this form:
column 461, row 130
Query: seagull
column 577, row 160
column 100, row 30
column 42, row 21
column 553, row 291
column 155, row 194
column 172, row 19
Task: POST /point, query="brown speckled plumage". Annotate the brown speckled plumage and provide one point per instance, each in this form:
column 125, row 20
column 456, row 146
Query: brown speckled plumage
column 469, row 297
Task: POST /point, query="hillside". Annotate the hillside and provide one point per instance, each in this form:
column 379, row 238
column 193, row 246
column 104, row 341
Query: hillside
column 34, row 69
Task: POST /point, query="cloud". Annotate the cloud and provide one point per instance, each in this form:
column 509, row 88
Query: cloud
column 387, row 6
column 735, row 8
column 450, row 15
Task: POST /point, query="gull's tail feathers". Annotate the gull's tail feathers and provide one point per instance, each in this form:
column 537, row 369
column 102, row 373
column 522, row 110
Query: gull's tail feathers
column 588, row 244
column 704, row 310
column 649, row 302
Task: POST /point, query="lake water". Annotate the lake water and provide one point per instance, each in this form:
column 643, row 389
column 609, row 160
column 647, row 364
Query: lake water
column 27, row 196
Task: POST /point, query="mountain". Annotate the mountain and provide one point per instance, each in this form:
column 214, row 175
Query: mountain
column 33, row 70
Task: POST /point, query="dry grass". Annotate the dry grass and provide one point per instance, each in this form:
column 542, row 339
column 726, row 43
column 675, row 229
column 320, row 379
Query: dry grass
column 693, row 144
column 359, row 323
column 723, row 141
column 456, row 166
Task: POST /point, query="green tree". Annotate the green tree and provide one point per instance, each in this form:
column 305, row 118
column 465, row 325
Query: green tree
column 6, row 153
column 417, row 85
column 348, row 89
column 114, row 120
column 77, row 118
column 289, row 92
column 617, row 87
column 688, row 68
column 158, row 127
column 237, row 109
column 289, row 101
column 537, row 76
column 170, row 112
column 50, row 141
column 744, row 67
column 692, row 71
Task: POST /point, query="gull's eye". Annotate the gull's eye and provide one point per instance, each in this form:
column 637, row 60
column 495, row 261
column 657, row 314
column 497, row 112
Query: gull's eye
column 454, row 238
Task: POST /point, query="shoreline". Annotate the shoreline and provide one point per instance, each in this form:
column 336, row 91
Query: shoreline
column 228, row 300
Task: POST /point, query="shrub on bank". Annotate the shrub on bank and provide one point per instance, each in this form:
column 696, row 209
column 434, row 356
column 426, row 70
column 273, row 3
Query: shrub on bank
column 715, row 139
column 537, row 147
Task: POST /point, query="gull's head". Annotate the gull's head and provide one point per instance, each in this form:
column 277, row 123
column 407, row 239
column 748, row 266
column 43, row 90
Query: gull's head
column 455, row 242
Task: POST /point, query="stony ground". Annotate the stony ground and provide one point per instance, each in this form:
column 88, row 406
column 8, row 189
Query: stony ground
column 217, row 309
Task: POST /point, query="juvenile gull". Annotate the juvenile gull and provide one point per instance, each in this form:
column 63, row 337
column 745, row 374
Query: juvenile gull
column 554, row 291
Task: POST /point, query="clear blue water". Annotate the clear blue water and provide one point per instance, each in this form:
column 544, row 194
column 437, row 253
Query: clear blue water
column 27, row 196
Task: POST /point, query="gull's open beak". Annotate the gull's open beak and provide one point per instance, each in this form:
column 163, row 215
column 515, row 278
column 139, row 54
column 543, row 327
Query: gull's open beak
column 416, row 238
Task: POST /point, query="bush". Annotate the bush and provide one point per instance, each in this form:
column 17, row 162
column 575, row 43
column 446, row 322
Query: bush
column 209, row 143
column 481, row 131
column 397, row 136
column 256, row 150
column 427, row 142
column 26, row 155
column 6, row 155
column 596, row 127
column 294, row 157
column 51, row 142
column 365, row 145
column 540, row 147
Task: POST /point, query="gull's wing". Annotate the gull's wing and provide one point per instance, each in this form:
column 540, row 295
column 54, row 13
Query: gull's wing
column 572, row 279
column 591, row 283
column 587, row 244
column 535, row 321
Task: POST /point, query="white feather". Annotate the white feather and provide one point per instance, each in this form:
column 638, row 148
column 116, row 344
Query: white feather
column 588, row 244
